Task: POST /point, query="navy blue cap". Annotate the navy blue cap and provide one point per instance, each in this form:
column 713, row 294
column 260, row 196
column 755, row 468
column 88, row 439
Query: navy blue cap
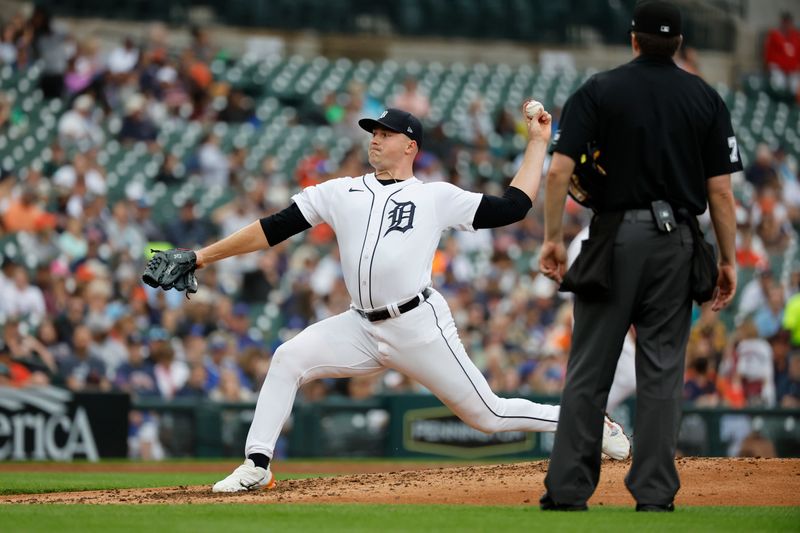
column 396, row 120
column 656, row 17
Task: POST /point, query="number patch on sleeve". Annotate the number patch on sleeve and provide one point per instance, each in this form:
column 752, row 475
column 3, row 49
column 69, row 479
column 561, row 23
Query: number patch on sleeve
column 734, row 146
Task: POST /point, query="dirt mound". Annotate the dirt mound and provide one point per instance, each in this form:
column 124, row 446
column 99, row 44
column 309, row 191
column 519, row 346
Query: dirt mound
column 704, row 481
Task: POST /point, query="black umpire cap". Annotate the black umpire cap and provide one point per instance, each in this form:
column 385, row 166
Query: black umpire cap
column 396, row 120
column 656, row 17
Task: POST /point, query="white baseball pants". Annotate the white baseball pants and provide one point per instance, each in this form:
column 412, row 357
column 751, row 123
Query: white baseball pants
column 422, row 344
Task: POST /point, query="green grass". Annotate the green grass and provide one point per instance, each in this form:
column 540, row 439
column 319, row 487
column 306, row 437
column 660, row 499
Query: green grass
column 385, row 518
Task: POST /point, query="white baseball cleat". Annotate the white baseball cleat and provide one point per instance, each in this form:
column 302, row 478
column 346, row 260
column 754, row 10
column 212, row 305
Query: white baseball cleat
column 615, row 443
column 247, row 476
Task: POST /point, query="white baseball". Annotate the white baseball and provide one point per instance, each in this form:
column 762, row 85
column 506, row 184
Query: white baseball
column 533, row 109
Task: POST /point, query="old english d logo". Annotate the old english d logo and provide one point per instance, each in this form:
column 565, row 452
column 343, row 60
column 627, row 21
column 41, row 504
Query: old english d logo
column 401, row 217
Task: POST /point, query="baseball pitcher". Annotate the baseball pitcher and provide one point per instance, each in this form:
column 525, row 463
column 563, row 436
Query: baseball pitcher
column 388, row 225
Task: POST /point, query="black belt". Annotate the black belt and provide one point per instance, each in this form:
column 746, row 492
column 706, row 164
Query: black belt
column 383, row 314
column 638, row 215
column 646, row 215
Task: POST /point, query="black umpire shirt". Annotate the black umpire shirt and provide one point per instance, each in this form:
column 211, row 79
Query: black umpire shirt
column 661, row 132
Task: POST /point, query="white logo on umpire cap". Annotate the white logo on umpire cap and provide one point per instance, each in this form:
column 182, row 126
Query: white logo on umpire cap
column 409, row 130
column 664, row 29
column 383, row 114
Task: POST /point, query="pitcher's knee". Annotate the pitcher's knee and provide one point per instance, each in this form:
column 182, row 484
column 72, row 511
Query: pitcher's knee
column 485, row 422
column 287, row 363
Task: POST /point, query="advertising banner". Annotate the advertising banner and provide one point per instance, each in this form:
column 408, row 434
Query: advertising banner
column 53, row 424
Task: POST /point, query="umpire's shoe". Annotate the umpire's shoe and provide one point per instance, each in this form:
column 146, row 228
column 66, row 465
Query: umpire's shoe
column 655, row 508
column 546, row 503
column 247, row 476
column 615, row 443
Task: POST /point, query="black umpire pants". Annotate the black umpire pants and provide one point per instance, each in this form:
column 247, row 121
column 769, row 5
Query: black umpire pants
column 651, row 291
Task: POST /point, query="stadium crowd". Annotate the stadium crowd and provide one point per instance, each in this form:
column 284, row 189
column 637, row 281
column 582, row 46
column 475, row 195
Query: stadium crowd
column 75, row 312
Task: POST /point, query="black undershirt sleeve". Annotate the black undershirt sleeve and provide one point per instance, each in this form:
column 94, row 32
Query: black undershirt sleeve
column 494, row 211
column 283, row 224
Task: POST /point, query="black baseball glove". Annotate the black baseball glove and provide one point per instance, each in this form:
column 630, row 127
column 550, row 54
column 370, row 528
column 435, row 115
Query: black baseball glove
column 588, row 178
column 172, row 269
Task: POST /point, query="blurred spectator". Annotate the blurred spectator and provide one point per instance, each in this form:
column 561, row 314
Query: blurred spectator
column 50, row 45
column 168, row 172
column 22, row 213
column 230, row 389
column 754, row 365
column 548, row 374
column 761, row 172
column 30, row 352
column 83, row 370
column 77, row 184
column 188, row 230
column 171, row 375
column 41, row 246
column 199, row 78
column 143, row 438
column 14, row 373
column 254, row 364
column 239, row 108
column 201, row 45
column 136, row 125
column 688, row 60
column 362, row 387
column 507, row 123
column 754, row 293
column 257, row 284
column 782, row 57
column 195, row 386
column 774, row 234
column 411, row 99
column 475, row 126
column 58, row 159
column 314, row 168
column 709, row 327
column 8, row 44
column 77, row 127
column 22, row 299
column 123, row 58
column 788, row 392
column 768, row 317
column 173, row 91
column 213, row 164
column 72, row 241
column 750, row 252
column 329, row 113
column 6, row 109
column 700, row 388
column 135, row 375
column 143, row 219
column 84, row 68
column 123, row 235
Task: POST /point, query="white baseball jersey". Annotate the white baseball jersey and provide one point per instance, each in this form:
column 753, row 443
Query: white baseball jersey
column 382, row 226
column 387, row 237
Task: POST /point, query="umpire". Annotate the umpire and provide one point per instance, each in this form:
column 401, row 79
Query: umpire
column 667, row 147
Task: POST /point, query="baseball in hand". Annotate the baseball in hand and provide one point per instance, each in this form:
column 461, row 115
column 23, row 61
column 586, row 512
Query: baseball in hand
column 533, row 109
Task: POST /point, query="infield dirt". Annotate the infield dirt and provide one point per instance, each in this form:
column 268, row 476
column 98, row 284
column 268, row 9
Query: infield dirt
column 705, row 481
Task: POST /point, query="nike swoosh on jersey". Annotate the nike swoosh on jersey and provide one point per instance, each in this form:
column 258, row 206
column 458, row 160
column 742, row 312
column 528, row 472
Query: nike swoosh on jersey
column 355, row 190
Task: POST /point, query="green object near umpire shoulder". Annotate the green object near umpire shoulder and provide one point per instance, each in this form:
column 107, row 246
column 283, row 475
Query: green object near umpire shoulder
column 588, row 177
column 172, row 269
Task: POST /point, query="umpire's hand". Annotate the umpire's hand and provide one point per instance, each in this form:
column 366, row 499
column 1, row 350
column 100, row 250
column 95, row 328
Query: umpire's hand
column 553, row 260
column 726, row 287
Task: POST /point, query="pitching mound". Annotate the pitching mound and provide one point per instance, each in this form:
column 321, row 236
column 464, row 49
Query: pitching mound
column 705, row 482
